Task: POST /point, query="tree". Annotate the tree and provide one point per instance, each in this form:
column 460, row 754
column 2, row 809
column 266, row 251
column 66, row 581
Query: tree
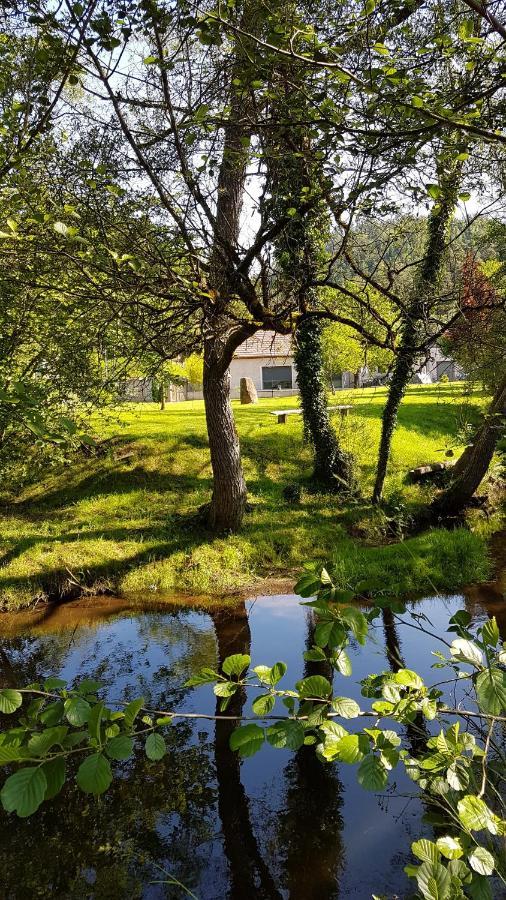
column 472, row 466
column 420, row 304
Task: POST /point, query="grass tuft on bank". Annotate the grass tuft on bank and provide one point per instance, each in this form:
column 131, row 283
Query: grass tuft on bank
column 125, row 522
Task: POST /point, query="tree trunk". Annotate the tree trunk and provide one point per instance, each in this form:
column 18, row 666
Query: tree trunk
column 332, row 465
column 356, row 380
column 250, row 879
column 416, row 317
column 162, row 394
column 473, row 465
column 228, row 499
column 401, row 376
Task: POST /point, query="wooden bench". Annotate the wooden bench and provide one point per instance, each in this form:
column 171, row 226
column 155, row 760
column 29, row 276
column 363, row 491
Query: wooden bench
column 283, row 413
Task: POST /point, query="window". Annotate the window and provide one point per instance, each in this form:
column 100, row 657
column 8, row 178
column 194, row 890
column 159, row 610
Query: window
column 276, row 377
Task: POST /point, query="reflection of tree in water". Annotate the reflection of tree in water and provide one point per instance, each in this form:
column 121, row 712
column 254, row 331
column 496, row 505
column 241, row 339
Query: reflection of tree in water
column 249, row 875
column 311, row 824
column 103, row 849
column 417, row 731
column 81, row 848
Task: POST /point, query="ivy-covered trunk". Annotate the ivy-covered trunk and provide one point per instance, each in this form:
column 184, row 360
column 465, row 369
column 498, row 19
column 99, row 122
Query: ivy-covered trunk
column 295, row 175
column 473, row 465
column 332, row 465
column 415, row 328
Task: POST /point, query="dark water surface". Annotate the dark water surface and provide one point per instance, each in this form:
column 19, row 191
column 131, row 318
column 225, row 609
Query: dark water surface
column 278, row 825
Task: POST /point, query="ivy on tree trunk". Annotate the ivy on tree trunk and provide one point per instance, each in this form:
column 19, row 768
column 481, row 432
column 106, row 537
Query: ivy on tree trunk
column 332, row 465
column 416, row 315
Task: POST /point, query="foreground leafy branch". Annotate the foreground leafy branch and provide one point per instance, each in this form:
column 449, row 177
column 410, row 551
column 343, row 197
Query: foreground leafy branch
column 63, row 732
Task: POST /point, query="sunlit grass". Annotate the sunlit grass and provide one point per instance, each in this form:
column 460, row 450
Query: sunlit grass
column 126, row 520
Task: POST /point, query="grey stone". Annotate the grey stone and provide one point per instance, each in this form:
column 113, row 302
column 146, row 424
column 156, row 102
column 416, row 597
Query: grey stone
column 248, row 391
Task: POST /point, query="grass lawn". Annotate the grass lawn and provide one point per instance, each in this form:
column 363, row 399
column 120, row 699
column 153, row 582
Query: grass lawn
column 124, row 521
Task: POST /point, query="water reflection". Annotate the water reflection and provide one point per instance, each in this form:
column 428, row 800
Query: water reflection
column 277, row 826
column 250, row 877
column 311, row 824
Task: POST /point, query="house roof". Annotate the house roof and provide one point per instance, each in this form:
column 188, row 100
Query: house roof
column 265, row 343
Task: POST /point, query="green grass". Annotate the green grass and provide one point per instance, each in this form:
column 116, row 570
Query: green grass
column 125, row 521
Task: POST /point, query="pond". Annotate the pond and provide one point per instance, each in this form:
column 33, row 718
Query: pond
column 278, row 825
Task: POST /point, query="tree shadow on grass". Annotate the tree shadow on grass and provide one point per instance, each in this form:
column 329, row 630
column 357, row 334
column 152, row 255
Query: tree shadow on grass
column 61, row 583
column 109, row 483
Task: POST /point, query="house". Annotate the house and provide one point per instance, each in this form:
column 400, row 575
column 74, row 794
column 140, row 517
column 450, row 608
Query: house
column 266, row 358
column 435, row 365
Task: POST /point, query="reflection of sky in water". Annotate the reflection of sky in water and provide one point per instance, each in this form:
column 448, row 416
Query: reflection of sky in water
column 152, row 653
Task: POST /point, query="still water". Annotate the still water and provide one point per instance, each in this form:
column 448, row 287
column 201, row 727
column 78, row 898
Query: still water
column 278, row 825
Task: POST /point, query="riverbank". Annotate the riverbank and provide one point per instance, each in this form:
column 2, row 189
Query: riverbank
column 125, row 522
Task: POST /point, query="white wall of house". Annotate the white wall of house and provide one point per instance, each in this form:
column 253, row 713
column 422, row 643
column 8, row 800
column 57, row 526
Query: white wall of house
column 252, row 367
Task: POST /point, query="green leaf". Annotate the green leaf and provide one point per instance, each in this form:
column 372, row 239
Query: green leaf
column 155, row 746
column 24, row 791
column 53, row 713
column 247, row 739
column 490, row 632
column 346, row 707
column 333, row 730
column 314, row 686
column 94, row 774
column 426, row 850
column 450, row 847
column 132, row 711
column 10, row 700
column 286, row 734
column 429, row 708
column 205, row 676
column 491, row 691
column 370, row 6
column 225, row 688
column 77, row 711
column 434, row 191
column 164, row 720
column 341, row 661
column 474, row 813
column 352, row 748
column 89, row 686
column 95, row 720
column 277, row 672
column 120, row 747
column 434, row 881
column 466, row 651
column 54, row 684
column 40, row 743
column 54, row 771
column 408, row 678
column 372, row 774
column 263, row 705
column 457, row 775
column 12, row 753
column 315, row 655
column 61, row 228
column 307, row 585
column 236, row 664
column 480, row 888
column 482, row 861
column 357, row 622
